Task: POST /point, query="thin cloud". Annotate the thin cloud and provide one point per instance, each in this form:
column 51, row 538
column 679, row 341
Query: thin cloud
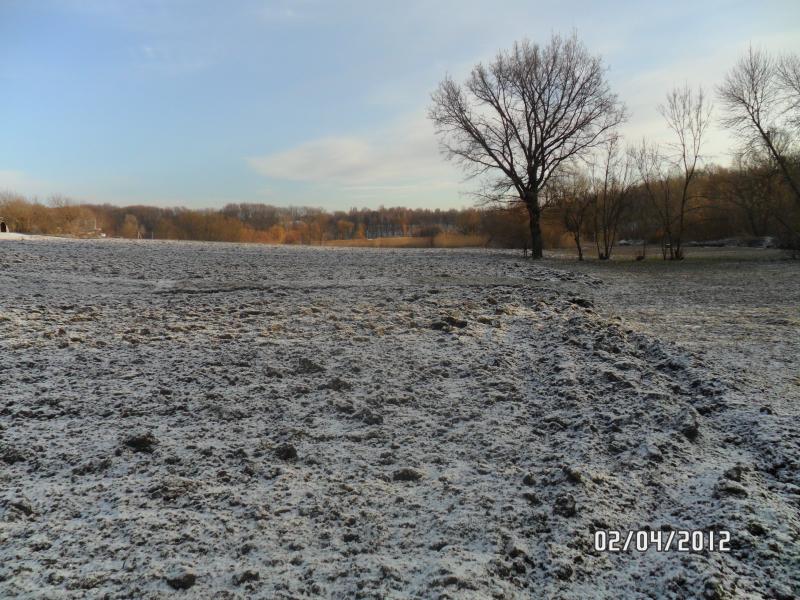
column 174, row 59
column 19, row 182
column 405, row 156
column 11, row 180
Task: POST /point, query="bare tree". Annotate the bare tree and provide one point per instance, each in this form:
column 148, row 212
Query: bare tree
column 573, row 199
column 515, row 122
column 656, row 177
column 761, row 97
column 688, row 115
column 611, row 182
column 130, row 227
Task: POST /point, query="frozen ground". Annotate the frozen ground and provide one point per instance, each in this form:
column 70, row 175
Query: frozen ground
column 249, row 421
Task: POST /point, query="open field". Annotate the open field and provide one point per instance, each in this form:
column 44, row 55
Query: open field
column 296, row 422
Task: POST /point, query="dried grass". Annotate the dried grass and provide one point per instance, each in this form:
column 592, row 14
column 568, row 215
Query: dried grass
column 442, row 240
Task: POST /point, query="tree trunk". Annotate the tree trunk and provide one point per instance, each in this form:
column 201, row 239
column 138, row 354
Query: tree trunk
column 578, row 245
column 532, row 204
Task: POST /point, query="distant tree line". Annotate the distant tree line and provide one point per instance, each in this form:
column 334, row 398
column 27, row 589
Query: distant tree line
column 258, row 223
column 589, row 209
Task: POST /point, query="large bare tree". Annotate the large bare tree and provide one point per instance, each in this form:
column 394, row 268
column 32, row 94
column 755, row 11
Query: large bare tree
column 517, row 121
column 761, row 97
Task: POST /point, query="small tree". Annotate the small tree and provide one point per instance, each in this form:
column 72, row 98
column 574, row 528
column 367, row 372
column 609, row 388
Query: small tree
column 611, row 182
column 655, row 176
column 517, row 121
column 572, row 198
column 667, row 177
column 130, row 227
column 688, row 115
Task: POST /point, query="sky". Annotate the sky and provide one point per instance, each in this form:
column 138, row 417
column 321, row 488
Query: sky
column 311, row 102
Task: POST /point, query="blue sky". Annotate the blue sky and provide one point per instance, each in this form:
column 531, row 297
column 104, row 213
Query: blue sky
column 305, row 102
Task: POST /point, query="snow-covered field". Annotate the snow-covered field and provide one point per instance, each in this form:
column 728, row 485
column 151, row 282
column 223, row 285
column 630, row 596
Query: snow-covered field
column 220, row 420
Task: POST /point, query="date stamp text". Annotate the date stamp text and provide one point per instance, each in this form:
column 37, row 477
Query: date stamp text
column 674, row 540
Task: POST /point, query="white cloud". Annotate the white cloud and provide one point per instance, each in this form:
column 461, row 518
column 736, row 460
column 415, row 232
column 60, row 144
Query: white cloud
column 174, row 58
column 19, row 182
column 400, row 158
column 11, row 180
column 279, row 11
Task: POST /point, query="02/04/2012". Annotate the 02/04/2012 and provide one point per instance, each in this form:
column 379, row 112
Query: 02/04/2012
column 677, row 540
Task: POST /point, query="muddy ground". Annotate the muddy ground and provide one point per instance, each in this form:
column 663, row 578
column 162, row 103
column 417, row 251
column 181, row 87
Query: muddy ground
column 221, row 420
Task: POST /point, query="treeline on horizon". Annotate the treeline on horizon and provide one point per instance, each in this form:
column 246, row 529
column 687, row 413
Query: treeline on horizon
column 749, row 200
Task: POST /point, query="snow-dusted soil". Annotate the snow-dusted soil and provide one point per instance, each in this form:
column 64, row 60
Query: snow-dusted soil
column 8, row 236
column 279, row 422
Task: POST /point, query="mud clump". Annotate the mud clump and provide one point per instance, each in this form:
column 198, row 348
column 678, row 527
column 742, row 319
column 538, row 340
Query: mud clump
column 306, row 366
column 406, row 474
column 92, row 467
column 245, row 577
column 582, row 302
column 141, row 442
column 286, row 452
column 689, row 424
column 337, row 385
column 11, row 455
column 455, row 322
column 22, row 506
column 565, row 505
column 181, row 578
